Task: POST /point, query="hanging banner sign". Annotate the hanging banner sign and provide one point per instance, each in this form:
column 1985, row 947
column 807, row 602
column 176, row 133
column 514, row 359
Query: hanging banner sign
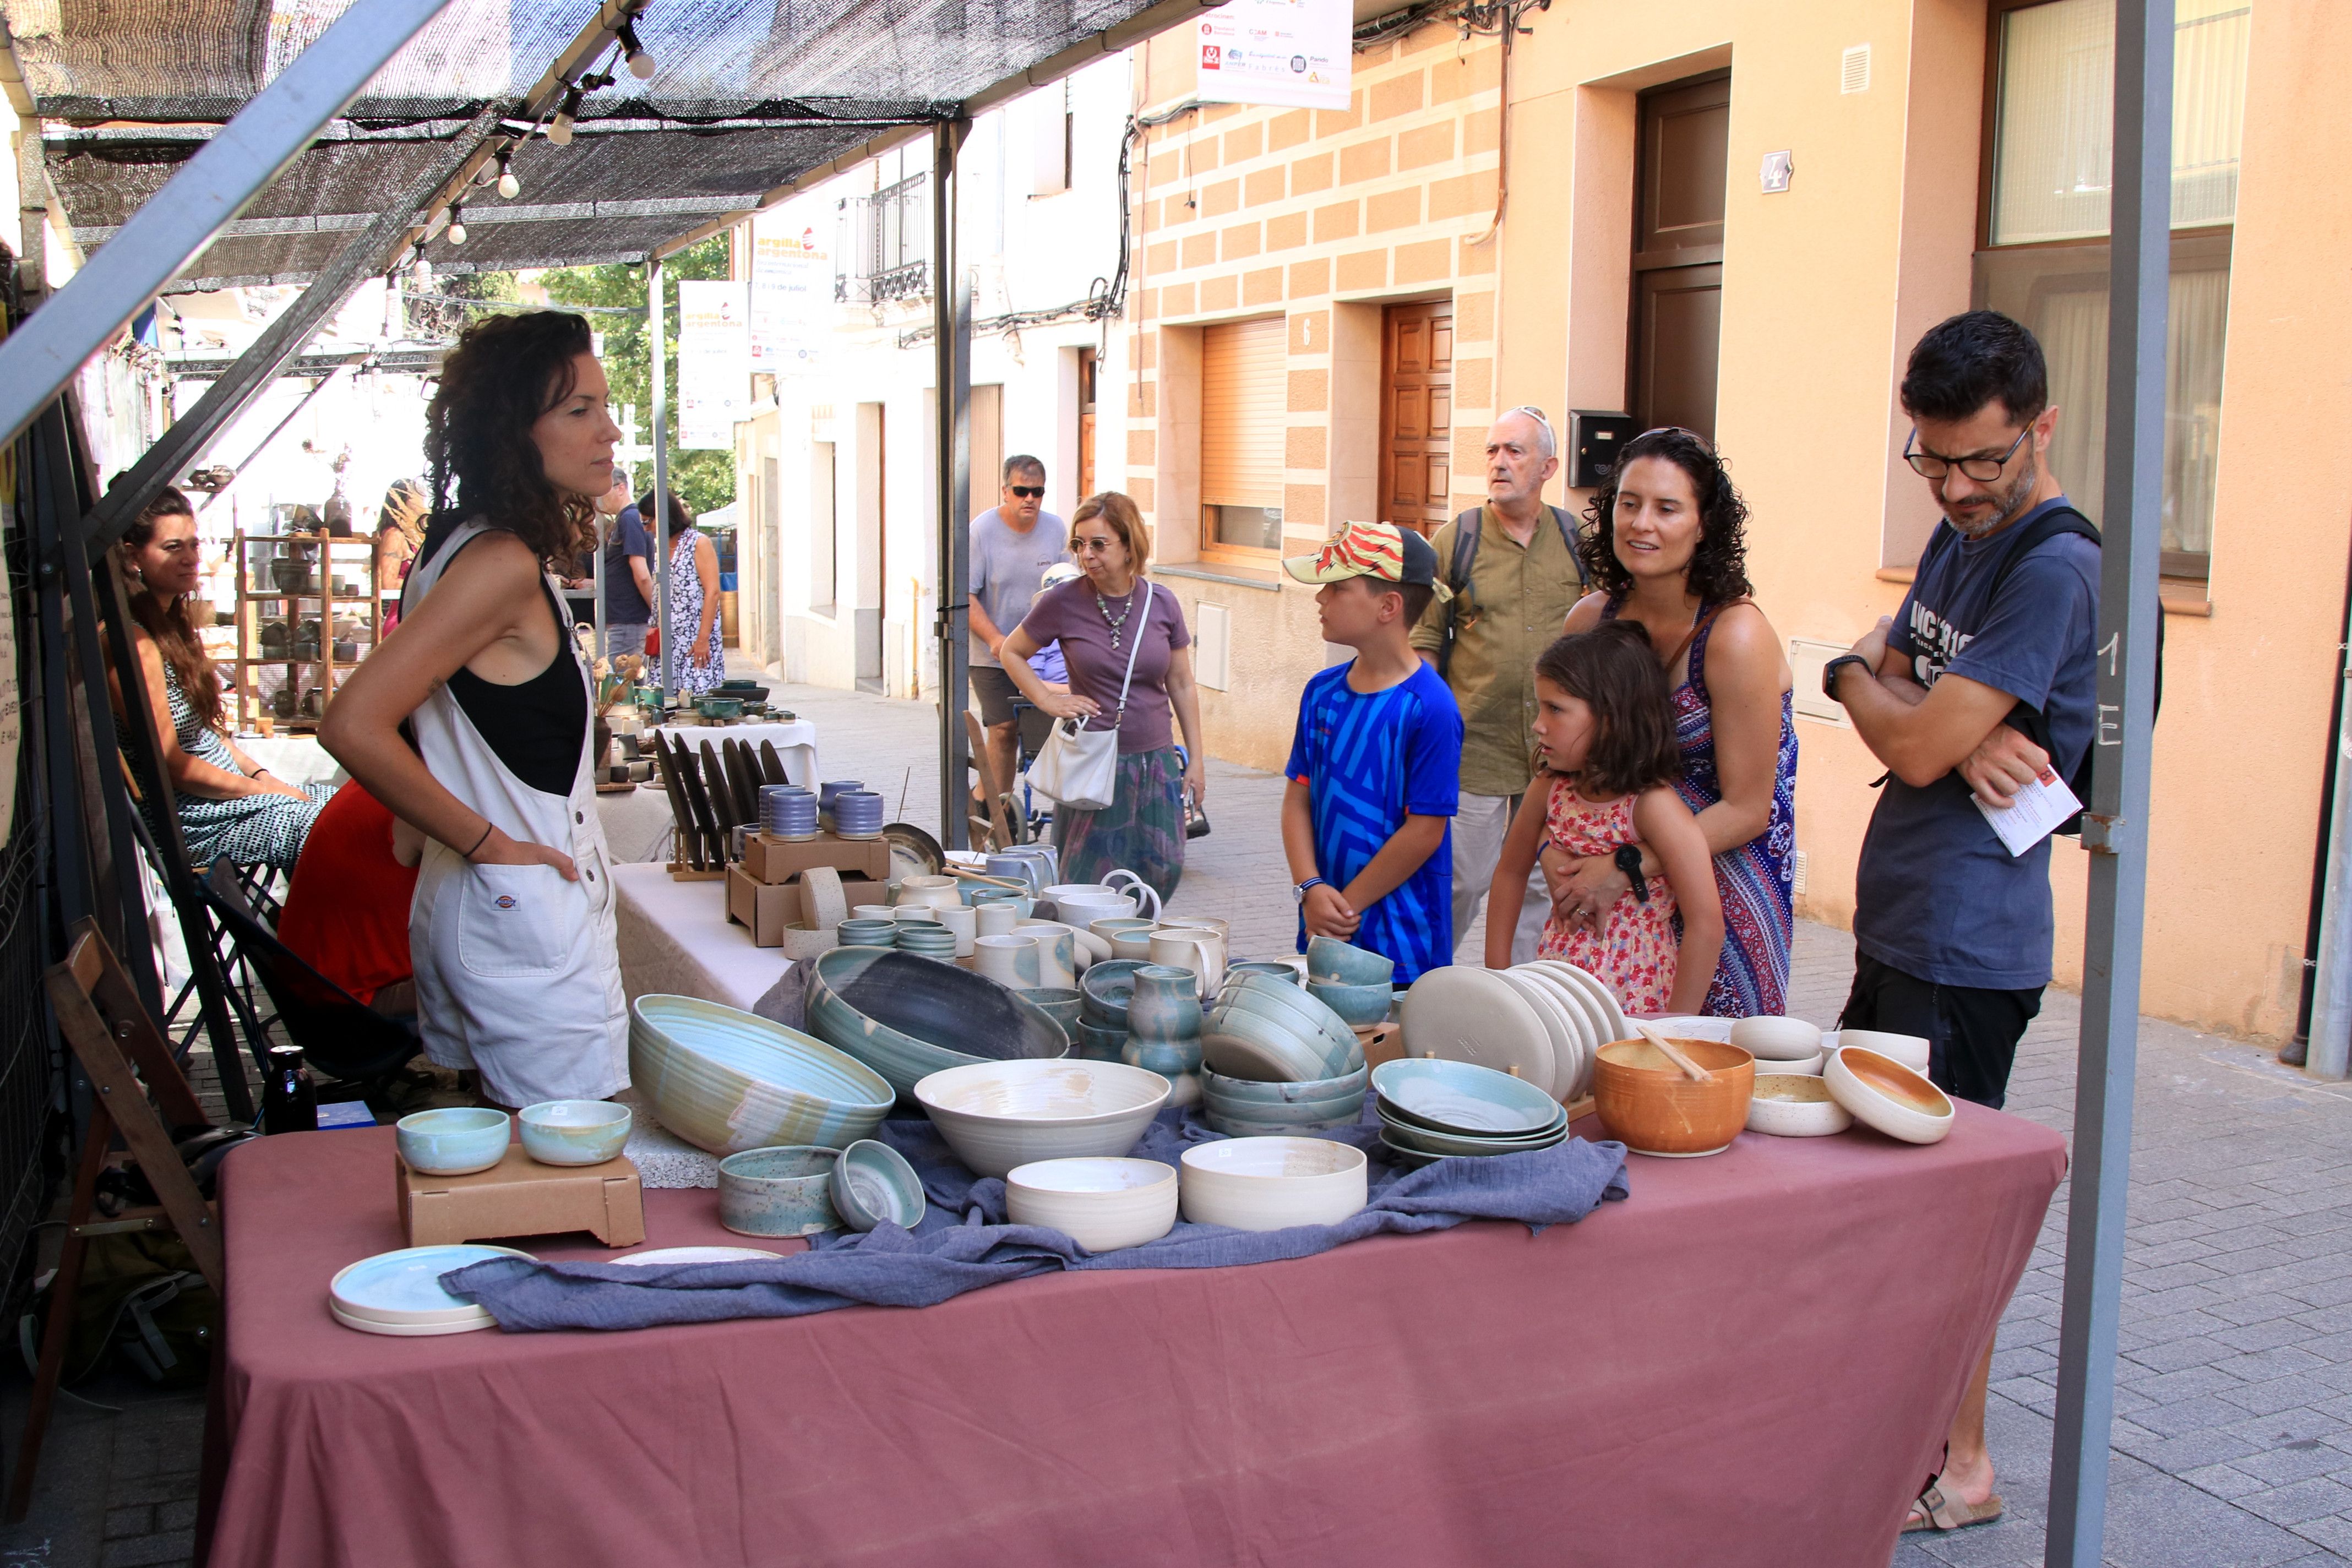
column 714, row 363
column 791, row 276
column 1284, row 53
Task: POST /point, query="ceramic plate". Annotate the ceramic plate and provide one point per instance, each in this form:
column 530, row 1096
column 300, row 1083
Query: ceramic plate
column 1612, row 1014
column 1564, row 1026
column 1460, row 1014
column 400, row 1292
column 1465, row 1097
column 913, row 852
column 1573, row 1076
column 1399, row 1134
column 695, row 1255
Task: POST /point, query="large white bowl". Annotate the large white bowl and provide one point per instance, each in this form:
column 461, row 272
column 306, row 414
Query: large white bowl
column 1790, row 1105
column 729, row 1081
column 1911, row 1050
column 1273, row 1183
column 1883, row 1093
column 1777, row 1040
column 997, row 1115
column 1102, row 1204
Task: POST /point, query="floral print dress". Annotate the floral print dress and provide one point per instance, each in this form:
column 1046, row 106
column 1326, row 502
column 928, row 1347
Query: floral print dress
column 685, row 619
column 1636, row 956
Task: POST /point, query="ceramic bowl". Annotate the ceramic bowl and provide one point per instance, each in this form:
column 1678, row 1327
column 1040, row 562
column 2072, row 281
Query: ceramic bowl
column 778, row 1192
column 1910, row 1050
column 1101, row 1204
column 881, row 914
column 1244, row 1046
column 1688, row 1027
column 1060, row 1004
column 1289, row 974
column 1883, row 1093
column 1247, row 1091
column 870, row 933
column 997, row 1115
column 1422, row 1140
column 1788, row 1105
column 1107, row 987
column 1776, row 1040
column 573, row 1132
column 1463, row 1099
column 1810, row 1066
column 1098, row 1042
column 1273, row 1183
column 454, row 1141
column 1307, row 1016
column 1358, row 1006
column 1328, row 958
column 1647, row 1104
column 1245, row 1121
column 873, row 1183
column 907, row 1016
column 726, row 1080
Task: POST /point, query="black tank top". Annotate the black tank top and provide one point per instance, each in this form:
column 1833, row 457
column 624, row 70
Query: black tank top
column 538, row 726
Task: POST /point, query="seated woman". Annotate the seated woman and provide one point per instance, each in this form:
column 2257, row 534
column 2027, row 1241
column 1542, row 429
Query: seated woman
column 228, row 804
column 346, row 914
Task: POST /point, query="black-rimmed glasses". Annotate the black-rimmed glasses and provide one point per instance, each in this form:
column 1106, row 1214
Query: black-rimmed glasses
column 1984, row 470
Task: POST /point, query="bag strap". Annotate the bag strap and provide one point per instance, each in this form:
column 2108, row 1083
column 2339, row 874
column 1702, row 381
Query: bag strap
column 1705, row 619
column 1128, row 679
column 1567, row 538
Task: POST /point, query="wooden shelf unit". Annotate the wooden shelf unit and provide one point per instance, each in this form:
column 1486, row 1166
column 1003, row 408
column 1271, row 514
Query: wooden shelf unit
column 260, row 600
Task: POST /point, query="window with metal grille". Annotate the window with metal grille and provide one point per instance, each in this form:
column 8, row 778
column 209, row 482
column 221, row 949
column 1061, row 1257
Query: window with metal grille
column 885, row 243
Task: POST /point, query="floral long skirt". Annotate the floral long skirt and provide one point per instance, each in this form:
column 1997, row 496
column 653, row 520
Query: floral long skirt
column 1142, row 830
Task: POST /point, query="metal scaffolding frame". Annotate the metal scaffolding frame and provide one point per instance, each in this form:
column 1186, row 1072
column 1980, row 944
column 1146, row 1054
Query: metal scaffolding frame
column 951, row 358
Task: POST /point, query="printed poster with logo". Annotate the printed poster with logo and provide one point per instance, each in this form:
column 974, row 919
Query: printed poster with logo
column 1282, row 53
column 714, row 363
column 792, row 282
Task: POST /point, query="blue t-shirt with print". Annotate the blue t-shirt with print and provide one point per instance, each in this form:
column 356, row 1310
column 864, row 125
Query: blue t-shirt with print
column 1369, row 759
column 1937, row 895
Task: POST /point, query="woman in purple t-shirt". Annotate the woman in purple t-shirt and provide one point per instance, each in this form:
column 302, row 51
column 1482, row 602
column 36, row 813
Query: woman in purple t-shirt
column 1112, row 613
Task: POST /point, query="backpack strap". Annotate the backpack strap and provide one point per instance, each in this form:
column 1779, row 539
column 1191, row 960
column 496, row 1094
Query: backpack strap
column 2058, row 521
column 1465, row 549
column 1567, row 537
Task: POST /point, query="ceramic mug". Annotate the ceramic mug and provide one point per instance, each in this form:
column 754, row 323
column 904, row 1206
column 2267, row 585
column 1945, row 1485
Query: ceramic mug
column 1110, row 931
column 1057, row 962
column 961, row 920
column 994, row 919
column 1026, row 870
column 875, row 912
column 1146, row 898
column 1201, row 952
column 1049, row 900
column 1083, row 910
column 1010, row 961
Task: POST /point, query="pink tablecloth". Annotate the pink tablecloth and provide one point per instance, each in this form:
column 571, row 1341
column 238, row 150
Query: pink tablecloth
column 1751, row 1361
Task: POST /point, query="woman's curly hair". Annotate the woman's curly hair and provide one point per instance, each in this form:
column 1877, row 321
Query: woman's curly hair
column 506, row 372
column 1718, row 572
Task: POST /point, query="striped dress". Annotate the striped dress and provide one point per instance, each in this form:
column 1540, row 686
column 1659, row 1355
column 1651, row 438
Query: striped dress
column 1755, row 879
column 250, row 828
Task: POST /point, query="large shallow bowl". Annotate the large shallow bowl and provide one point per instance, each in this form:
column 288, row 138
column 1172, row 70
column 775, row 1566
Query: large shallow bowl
column 1273, row 1183
column 1308, row 1017
column 1101, row 1204
column 727, row 1080
column 997, row 1115
column 898, row 1013
column 1789, row 1105
column 1422, row 1140
column 1648, row 1105
column 1243, row 1045
column 1777, row 1040
column 1883, row 1093
column 1239, row 1109
column 1462, row 1097
column 1240, row 1091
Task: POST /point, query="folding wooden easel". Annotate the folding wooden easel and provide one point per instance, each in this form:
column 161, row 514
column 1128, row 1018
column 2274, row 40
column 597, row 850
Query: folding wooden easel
column 117, row 1044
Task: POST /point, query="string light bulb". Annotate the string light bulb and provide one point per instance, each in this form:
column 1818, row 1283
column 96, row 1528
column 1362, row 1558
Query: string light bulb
column 558, row 130
column 456, row 225
column 641, row 64
column 509, row 186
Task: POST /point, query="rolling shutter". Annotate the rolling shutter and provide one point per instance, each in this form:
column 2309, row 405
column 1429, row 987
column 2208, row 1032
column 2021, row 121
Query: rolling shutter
column 1242, row 417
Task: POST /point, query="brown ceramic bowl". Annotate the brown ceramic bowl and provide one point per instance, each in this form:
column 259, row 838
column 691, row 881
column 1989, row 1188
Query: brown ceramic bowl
column 1647, row 1104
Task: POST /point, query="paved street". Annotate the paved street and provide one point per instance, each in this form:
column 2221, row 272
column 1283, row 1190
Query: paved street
column 2234, row 1433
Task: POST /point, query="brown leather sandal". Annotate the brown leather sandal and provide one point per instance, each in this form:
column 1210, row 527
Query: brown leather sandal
column 1934, row 1510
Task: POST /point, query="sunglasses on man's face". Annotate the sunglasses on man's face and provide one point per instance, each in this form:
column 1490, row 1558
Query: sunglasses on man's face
column 1028, row 492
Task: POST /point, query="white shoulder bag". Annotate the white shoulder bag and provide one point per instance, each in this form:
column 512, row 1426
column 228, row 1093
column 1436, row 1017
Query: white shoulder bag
column 1079, row 767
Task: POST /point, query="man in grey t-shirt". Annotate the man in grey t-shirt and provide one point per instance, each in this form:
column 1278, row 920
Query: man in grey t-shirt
column 1013, row 542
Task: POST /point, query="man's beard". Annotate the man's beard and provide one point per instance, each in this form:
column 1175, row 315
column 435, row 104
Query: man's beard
column 2006, row 505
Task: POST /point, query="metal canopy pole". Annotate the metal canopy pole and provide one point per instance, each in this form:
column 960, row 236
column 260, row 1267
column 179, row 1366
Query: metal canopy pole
column 2114, row 830
column 951, row 351
column 175, row 224
column 660, row 519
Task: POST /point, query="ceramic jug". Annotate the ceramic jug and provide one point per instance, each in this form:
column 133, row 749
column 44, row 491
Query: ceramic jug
column 1163, row 1028
column 1201, row 952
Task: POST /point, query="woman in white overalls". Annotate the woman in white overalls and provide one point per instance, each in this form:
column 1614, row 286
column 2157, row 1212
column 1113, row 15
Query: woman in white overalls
column 511, row 929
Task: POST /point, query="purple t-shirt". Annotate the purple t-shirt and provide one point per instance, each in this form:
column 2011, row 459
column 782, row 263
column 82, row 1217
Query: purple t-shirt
column 1069, row 615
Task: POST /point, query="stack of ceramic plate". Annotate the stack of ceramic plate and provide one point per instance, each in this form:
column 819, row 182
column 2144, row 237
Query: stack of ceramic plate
column 1541, row 1022
column 1435, row 1109
column 400, row 1292
column 1265, row 1030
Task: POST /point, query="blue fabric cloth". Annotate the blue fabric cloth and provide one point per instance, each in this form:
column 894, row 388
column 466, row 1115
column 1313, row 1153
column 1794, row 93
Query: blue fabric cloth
column 1937, row 895
column 623, row 605
column 1369, row 759
column 963, row 1243
column 1008, row 566
column 1048, row 663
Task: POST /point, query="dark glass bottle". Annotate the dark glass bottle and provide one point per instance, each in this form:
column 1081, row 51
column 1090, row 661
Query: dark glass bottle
column 289, row 1100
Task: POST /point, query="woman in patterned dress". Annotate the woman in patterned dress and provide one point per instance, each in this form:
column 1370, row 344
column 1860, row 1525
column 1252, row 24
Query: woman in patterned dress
column 1666, row 546
column 228, row 804
column 700, row 664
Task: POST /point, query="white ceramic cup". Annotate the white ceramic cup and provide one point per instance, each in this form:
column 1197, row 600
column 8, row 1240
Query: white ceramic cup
column 905, row 912
column 875, row 912
column 1082, row 909
column 1056, row 957
column 962, row 921
column 1010, row 961
column 1110, row 931
column 1201, row 952
column 993, row 920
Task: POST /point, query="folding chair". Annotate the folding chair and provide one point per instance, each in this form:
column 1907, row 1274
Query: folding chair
column 140, row 1094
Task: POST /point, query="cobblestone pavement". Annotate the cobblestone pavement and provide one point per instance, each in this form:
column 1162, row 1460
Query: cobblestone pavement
column 2234, row 1435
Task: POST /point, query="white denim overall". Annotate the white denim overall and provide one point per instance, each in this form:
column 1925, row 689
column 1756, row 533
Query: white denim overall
column 518, row 973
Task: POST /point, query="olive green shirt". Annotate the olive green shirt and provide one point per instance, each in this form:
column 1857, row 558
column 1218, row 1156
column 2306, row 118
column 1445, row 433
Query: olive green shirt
column 1518, row 598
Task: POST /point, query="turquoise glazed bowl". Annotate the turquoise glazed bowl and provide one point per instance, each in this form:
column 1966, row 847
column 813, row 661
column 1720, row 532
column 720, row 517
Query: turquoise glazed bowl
column 1358, row 1006
column 870, row 933
column 1058, row 1003
column 1100, row 1042
column 1328, row 958
column 1273, row 968
column 453, row 1141
column 873, row 1183
column 907, row 1017
column 1301, row 1013
column 727, row 1080
column 1107, row 985
column 778, row 1192
column 1239, row 1091
column 574, row 1131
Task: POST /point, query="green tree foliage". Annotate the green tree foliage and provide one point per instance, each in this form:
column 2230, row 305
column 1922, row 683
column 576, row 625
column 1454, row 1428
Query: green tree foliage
column 703, row 479
column 440, row 318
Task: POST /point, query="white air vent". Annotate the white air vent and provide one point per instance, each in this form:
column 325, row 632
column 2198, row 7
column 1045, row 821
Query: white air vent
column 1213, row 656
column 1853, row 69
column 1807, row 658
column 1801, row 864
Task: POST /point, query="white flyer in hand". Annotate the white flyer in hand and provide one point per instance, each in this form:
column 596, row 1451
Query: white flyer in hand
column 2036, row 809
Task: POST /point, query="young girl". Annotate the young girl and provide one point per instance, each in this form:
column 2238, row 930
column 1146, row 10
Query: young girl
column 1605, row 763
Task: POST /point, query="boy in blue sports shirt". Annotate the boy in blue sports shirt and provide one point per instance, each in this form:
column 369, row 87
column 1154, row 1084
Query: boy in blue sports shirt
column 1376, row 769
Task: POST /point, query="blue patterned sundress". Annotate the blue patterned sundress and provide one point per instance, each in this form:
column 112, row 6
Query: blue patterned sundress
column 250, row 829
column 1756, row 880
column 685, row 616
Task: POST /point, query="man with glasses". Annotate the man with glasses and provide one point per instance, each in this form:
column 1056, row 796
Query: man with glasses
column 1512, row 568
column 1952, row 933
column 1013, row 542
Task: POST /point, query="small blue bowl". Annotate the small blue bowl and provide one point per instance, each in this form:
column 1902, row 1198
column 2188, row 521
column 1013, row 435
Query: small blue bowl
column 872, row 1182
column 457, row 1141
column 1328, row 958
column 1361, row 1006
column 574, row 1131
column 778, row 1192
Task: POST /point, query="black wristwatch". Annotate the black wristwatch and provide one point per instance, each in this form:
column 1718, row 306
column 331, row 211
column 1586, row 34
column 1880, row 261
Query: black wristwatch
column 1830, row 672
column 1628, row 860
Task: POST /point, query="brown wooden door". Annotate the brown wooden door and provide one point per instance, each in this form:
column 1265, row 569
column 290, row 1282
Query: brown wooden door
column 1085, row 423
column 1678, row 253
column 1416, row 416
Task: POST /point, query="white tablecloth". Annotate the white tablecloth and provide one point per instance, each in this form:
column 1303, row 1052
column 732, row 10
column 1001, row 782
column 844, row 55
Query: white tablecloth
column 795, row 744
column 297, row 759
column 675, row 939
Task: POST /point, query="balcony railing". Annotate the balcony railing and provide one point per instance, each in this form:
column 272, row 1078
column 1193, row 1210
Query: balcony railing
column 910, row 281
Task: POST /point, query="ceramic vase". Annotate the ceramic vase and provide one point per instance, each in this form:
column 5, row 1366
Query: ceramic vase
column 937, row 892
column 1163, row 1028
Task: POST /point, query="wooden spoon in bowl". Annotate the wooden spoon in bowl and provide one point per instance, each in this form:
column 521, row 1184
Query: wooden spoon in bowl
column 1673, row 1053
